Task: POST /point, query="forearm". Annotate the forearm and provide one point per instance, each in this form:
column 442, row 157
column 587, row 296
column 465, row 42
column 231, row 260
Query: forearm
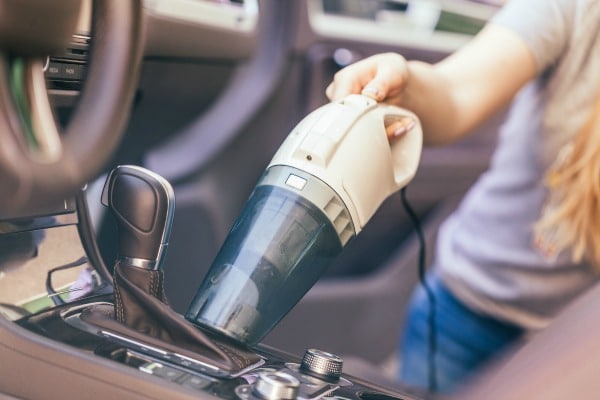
column 428, row 94
column 456, row 95
column 451, row 97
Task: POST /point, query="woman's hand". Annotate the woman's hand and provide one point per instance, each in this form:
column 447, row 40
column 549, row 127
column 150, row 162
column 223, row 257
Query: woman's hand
column 382, row 77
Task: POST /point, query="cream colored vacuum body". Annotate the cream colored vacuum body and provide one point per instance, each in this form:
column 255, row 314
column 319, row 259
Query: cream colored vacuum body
column 323, row 185
column 344, row 144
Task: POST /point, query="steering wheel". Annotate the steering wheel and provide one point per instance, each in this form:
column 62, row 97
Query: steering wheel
column 41, row 163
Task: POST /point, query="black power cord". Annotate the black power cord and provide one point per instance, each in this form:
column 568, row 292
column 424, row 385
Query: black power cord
column 431, row 318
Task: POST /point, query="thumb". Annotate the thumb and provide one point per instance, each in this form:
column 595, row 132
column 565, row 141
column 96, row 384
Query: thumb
column 389, row 80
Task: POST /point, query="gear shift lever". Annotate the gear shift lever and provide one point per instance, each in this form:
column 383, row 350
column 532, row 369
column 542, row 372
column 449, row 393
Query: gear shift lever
column 142, row 203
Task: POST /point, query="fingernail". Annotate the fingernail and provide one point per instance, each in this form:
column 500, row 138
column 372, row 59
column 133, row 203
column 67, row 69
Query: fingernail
column 403, row 128
column 372, row 91
column 399, row 131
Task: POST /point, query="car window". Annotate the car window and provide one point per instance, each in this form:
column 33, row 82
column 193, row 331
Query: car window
column 456, row 16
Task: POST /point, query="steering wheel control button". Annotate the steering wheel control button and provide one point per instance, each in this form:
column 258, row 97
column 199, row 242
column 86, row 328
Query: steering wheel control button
column 321, row 364
column 276, row 386
column 66, row 71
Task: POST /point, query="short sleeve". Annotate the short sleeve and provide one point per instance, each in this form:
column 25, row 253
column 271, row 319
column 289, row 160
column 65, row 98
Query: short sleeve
column 544, row 25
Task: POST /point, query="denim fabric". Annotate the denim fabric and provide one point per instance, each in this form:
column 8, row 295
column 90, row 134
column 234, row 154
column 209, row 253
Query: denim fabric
column 465, row 339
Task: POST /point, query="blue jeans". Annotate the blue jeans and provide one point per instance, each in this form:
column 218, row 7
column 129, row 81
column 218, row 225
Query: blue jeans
column 464, row 340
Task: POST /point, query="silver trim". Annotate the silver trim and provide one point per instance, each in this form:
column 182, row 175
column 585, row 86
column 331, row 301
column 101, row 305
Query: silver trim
column 136, row 345
column 322, row 363
column 139, row 262
column 197, row 362
column 276, row 386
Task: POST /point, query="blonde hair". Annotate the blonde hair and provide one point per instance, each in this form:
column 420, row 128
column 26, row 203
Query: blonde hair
column 571, row 216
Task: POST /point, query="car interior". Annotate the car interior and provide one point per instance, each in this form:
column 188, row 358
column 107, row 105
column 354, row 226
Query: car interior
column 102, row 100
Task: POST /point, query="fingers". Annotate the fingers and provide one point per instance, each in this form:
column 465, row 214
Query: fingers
column 341, row 87
column 377, row 88
column 399, row 126
column 379, row 77
column 351, row 80
column 389, row 79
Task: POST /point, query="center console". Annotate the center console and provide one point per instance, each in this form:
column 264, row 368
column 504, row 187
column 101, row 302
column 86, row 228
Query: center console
column 83, row 327
column 278, row 375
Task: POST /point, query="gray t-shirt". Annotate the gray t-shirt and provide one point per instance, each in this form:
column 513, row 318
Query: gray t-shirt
column 485, row 253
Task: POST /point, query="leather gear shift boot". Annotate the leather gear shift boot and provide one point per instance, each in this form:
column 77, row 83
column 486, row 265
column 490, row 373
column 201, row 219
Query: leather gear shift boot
column 141, row 313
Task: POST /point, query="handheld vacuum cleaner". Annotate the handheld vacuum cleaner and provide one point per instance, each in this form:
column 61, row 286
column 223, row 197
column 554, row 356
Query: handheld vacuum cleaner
column 320, row 189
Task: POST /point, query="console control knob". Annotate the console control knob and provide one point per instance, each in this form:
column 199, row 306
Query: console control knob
column 322, row 364
column 276, row 386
